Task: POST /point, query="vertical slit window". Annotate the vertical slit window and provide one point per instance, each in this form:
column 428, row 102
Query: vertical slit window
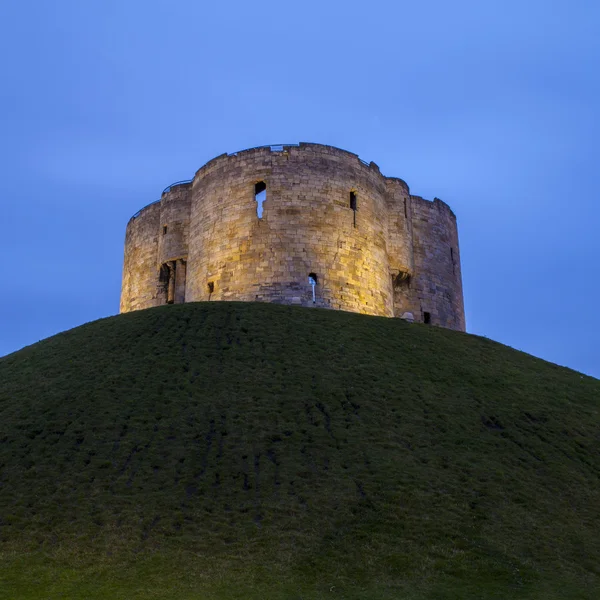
column 260, row 195
column 353, row 200
column 405, row 210
column 164, row 230
column 312, row 280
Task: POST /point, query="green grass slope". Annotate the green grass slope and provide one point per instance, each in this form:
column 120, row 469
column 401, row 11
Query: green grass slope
column 233, row 450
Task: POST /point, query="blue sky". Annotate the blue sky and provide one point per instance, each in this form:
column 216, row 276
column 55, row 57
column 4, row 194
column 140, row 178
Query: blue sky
column 492, row 106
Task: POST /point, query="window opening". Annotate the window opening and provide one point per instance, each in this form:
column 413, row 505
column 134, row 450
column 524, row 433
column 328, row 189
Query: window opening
column 353, row 200
column 427, row 318
column 164, row 230
column 452, row 259
column 353, row 206
column 405, row 211
column 260, row 195
column 401, row 279
column 211, row 288
column 312, row 280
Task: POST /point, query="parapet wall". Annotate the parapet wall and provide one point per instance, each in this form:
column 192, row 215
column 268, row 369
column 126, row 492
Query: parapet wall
column 369, row 245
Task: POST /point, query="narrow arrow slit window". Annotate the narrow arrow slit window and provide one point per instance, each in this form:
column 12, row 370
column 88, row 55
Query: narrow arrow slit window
column 353, row 206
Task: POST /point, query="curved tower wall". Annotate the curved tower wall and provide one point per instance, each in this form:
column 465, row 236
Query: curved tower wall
column 373, row 247
column 437, row 285
column 308, row 226
column 175, row 223
column 173, row 243
column 400, row 244
column 140, row 266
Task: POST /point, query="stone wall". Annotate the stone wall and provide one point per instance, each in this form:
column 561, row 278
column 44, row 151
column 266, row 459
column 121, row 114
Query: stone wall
column 173, row 242
column 140, row 268
column 372, row 247
column 437, row 284
column 307, row 227
column 175, row 223
column 400, row 244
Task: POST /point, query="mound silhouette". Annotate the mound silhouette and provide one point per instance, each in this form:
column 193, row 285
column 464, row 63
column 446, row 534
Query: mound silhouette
column 237, row 450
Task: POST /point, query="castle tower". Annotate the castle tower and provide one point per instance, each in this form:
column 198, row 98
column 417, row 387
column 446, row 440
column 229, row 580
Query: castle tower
column 303, row 224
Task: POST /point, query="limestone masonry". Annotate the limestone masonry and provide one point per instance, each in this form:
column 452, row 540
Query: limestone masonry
column 303, row 224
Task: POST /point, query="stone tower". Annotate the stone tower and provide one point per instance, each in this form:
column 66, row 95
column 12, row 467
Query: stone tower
column 303, row 224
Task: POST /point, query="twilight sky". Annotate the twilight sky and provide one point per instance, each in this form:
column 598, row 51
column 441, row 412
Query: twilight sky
column 492, row 106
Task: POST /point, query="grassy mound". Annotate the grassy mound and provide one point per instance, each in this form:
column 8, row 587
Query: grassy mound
column 234, row 450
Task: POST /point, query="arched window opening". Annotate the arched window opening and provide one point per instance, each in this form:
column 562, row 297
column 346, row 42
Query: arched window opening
column 313, row 280
column 260, row 195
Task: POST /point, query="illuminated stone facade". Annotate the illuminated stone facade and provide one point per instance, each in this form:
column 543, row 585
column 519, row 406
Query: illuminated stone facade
column 370, row 246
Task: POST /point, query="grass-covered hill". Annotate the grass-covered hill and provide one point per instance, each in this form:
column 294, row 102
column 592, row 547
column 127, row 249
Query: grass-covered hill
column 253, row 451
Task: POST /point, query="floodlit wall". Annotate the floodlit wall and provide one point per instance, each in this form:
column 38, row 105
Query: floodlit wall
column 140, row 268
column 437, row 284
column 371, row 247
